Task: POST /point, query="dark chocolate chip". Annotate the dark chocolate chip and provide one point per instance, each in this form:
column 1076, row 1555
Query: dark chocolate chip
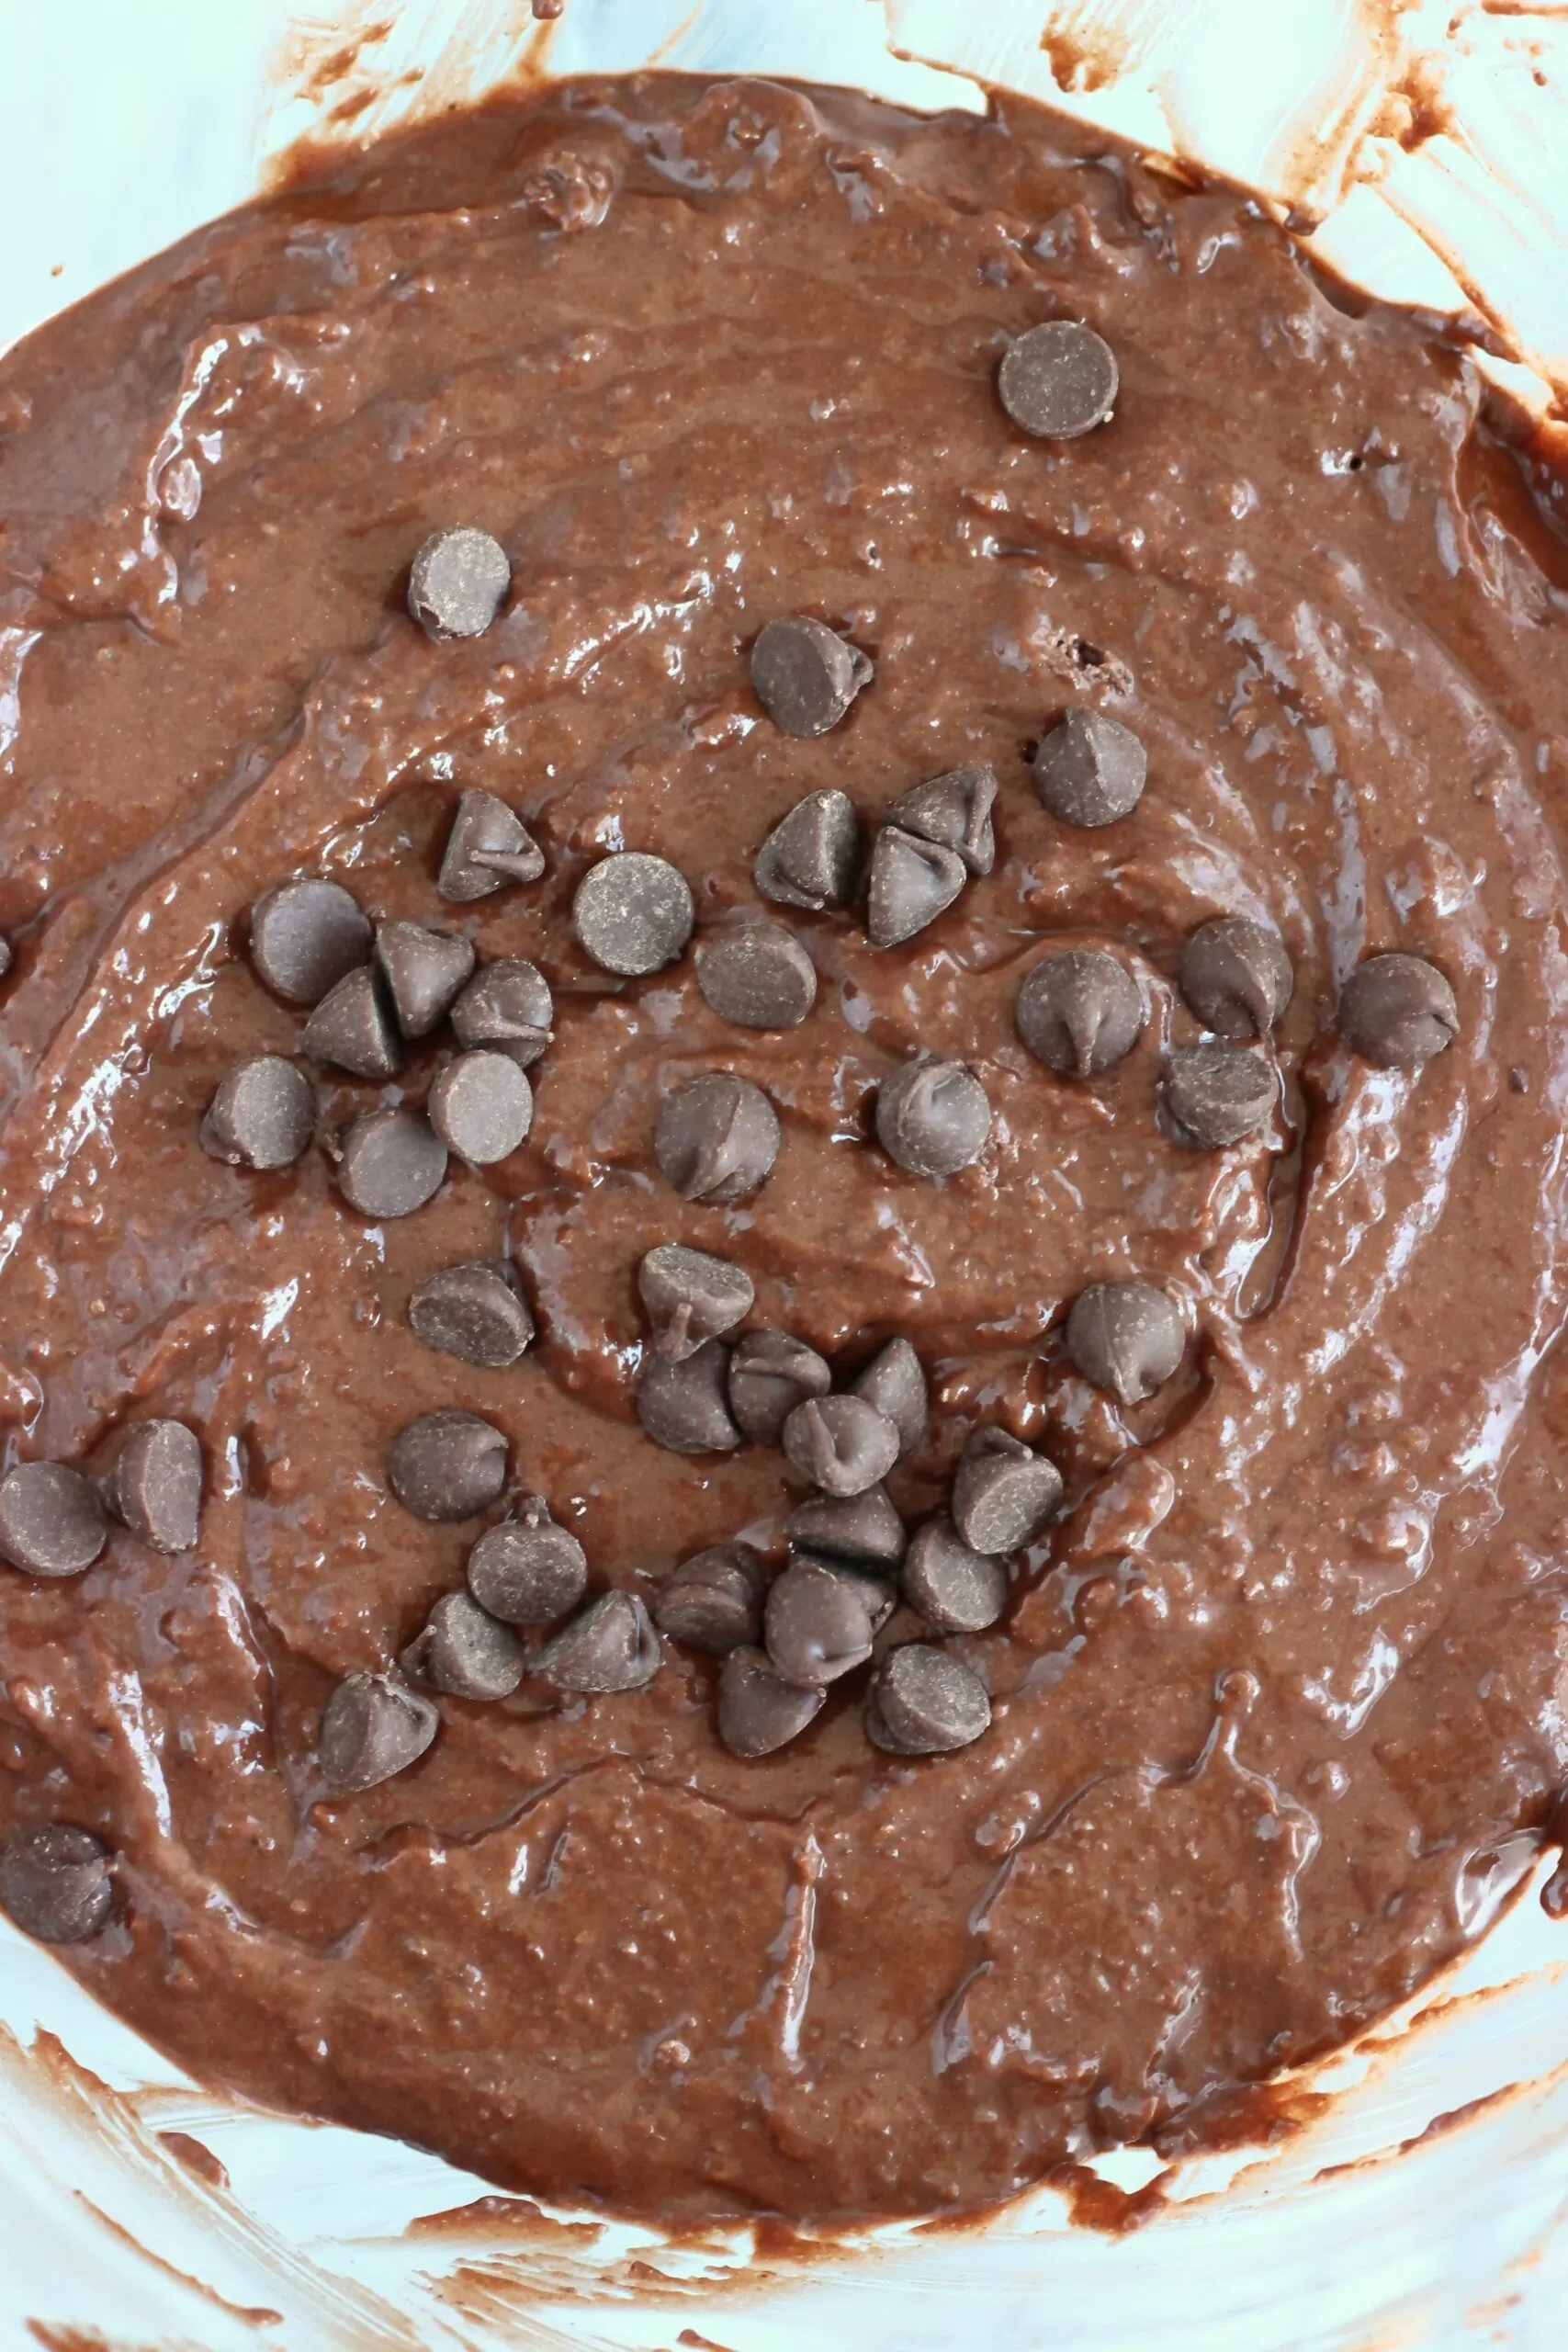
column 770, row 1374
column 487, row 847
column 305, row 937
column 633, row 913
column 1397, row 1010
column 475, row 1312
column 714, row 1600
column 894, row 1382
column 51, row 1522
column 926, row 1702
column 758, row 1709
column 1058, row 380
column 812, row 856
column 841, row 1443
column 1080, row 1012
column 528, row 1571
column 691, row 1296
column 863, row 1529
column 955, row 1590
column 932, row 1118
column 155, row 1485
column 613, row 1646
column 718, row 1139
column 390, row 1163
column 507, row 1005
column 757, row 975
column 426, row 970
column 448, row 1465
column 819, row 1621
column 955, row 810
column 457, row 583
column 352, row 1028
column 465, row 1651
column 482, row 1106
column 5, row 955
column 1236, row 976
column 1091, row 770
column 263, row 1115
column 681, row 1407
column 55, row 1882
column 1125, row 1337
column 1003, row 1493
column 805, row 675
column 1217, row 1094
column 911, row 882
column 373, row 1727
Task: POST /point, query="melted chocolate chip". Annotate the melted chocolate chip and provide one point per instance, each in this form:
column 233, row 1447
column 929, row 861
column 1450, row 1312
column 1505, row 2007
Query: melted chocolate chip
column 933, row 1118
column 758, row 1708
column 683, row 1407
column 758, row 976
column 51, row 1522
column 55, row 1882
column 770, row 1374
column 718, row 1139
column 1003, row 1493
column 1080, row 1012
column 633, row 913
column 1397, row 1010
column 912, row 881
column 457, row 583
column 373, row 1727
column 812, row 856
column 805, row 675
column 466, row 1651
column 923, row 1701
column 262, row 1116
column 506, row 1005
column 714, row 1601
column 1127, row 1338
column 352, row 1028
column 425, row 970
column 482, row 1106
column 818, row 1622
column 956, row 1590
column 1091, row 770
column 528, row 1571
column 841, row 1443
column 305, row 937
column 1236, row 976
column 1058, row 380
column 691, row 1296
column 863, row 1529
column 390, row 1163
column 448, row 1465
column 475, row 1312
column 487, row 847
column 613, row 1646
column 154, row 1487
column 1217, row 1094
column 955, row 811
column 894, row 1382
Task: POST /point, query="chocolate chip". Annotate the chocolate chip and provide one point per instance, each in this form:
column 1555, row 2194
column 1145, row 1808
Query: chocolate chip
column 714, row 1600
column 390, row 1163
column 691, row 1296
column 1217, row 1094
column 448, row 1465
column 528, row 1571
column 457, row 583
column 1091, row 770
column 895, row 1382
column 681, row 1407
column 487, row 847
column 955, row 1590
column 5, row 955
column 633, row 913
column 812, row 856
column 373, row 1727
column 263, row 1115
column 924, row 1700
column 1003, row 1493
column 425, row 971
column 305, row 937
column 757, row 975
column 718, row 1139
column 758, row 1709
column 466, row 1651
column 841, row 1443
column 805, row 675
column 507, row 1005
column 482, row 1106
column 911, row 882
column 51, row 1522
column 55, row 1884
column 1397, row 1010
column 1125, row 1337
column 1079, row 1011
column 1236, row 976
column 352, row 1028
column 955, row 810
column 932, row 1118
column 819, row 1621
column 1058, row 380
column 155, row 1485
column 863, row 1529
column 770, row 1374
column 475, row 1312
column 613, row 1646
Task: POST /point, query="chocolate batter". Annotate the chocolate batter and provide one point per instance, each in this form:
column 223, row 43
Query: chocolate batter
column 1278, row 1707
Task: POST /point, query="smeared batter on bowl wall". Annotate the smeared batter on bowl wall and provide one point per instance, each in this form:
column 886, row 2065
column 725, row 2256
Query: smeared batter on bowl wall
column 1271, row 1694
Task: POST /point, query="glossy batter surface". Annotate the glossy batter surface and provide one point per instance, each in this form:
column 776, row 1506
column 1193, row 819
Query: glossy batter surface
column 1279, row 1708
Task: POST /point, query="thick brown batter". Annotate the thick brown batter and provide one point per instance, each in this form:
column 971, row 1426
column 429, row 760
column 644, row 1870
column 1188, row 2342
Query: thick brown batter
column 1276, row 1700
